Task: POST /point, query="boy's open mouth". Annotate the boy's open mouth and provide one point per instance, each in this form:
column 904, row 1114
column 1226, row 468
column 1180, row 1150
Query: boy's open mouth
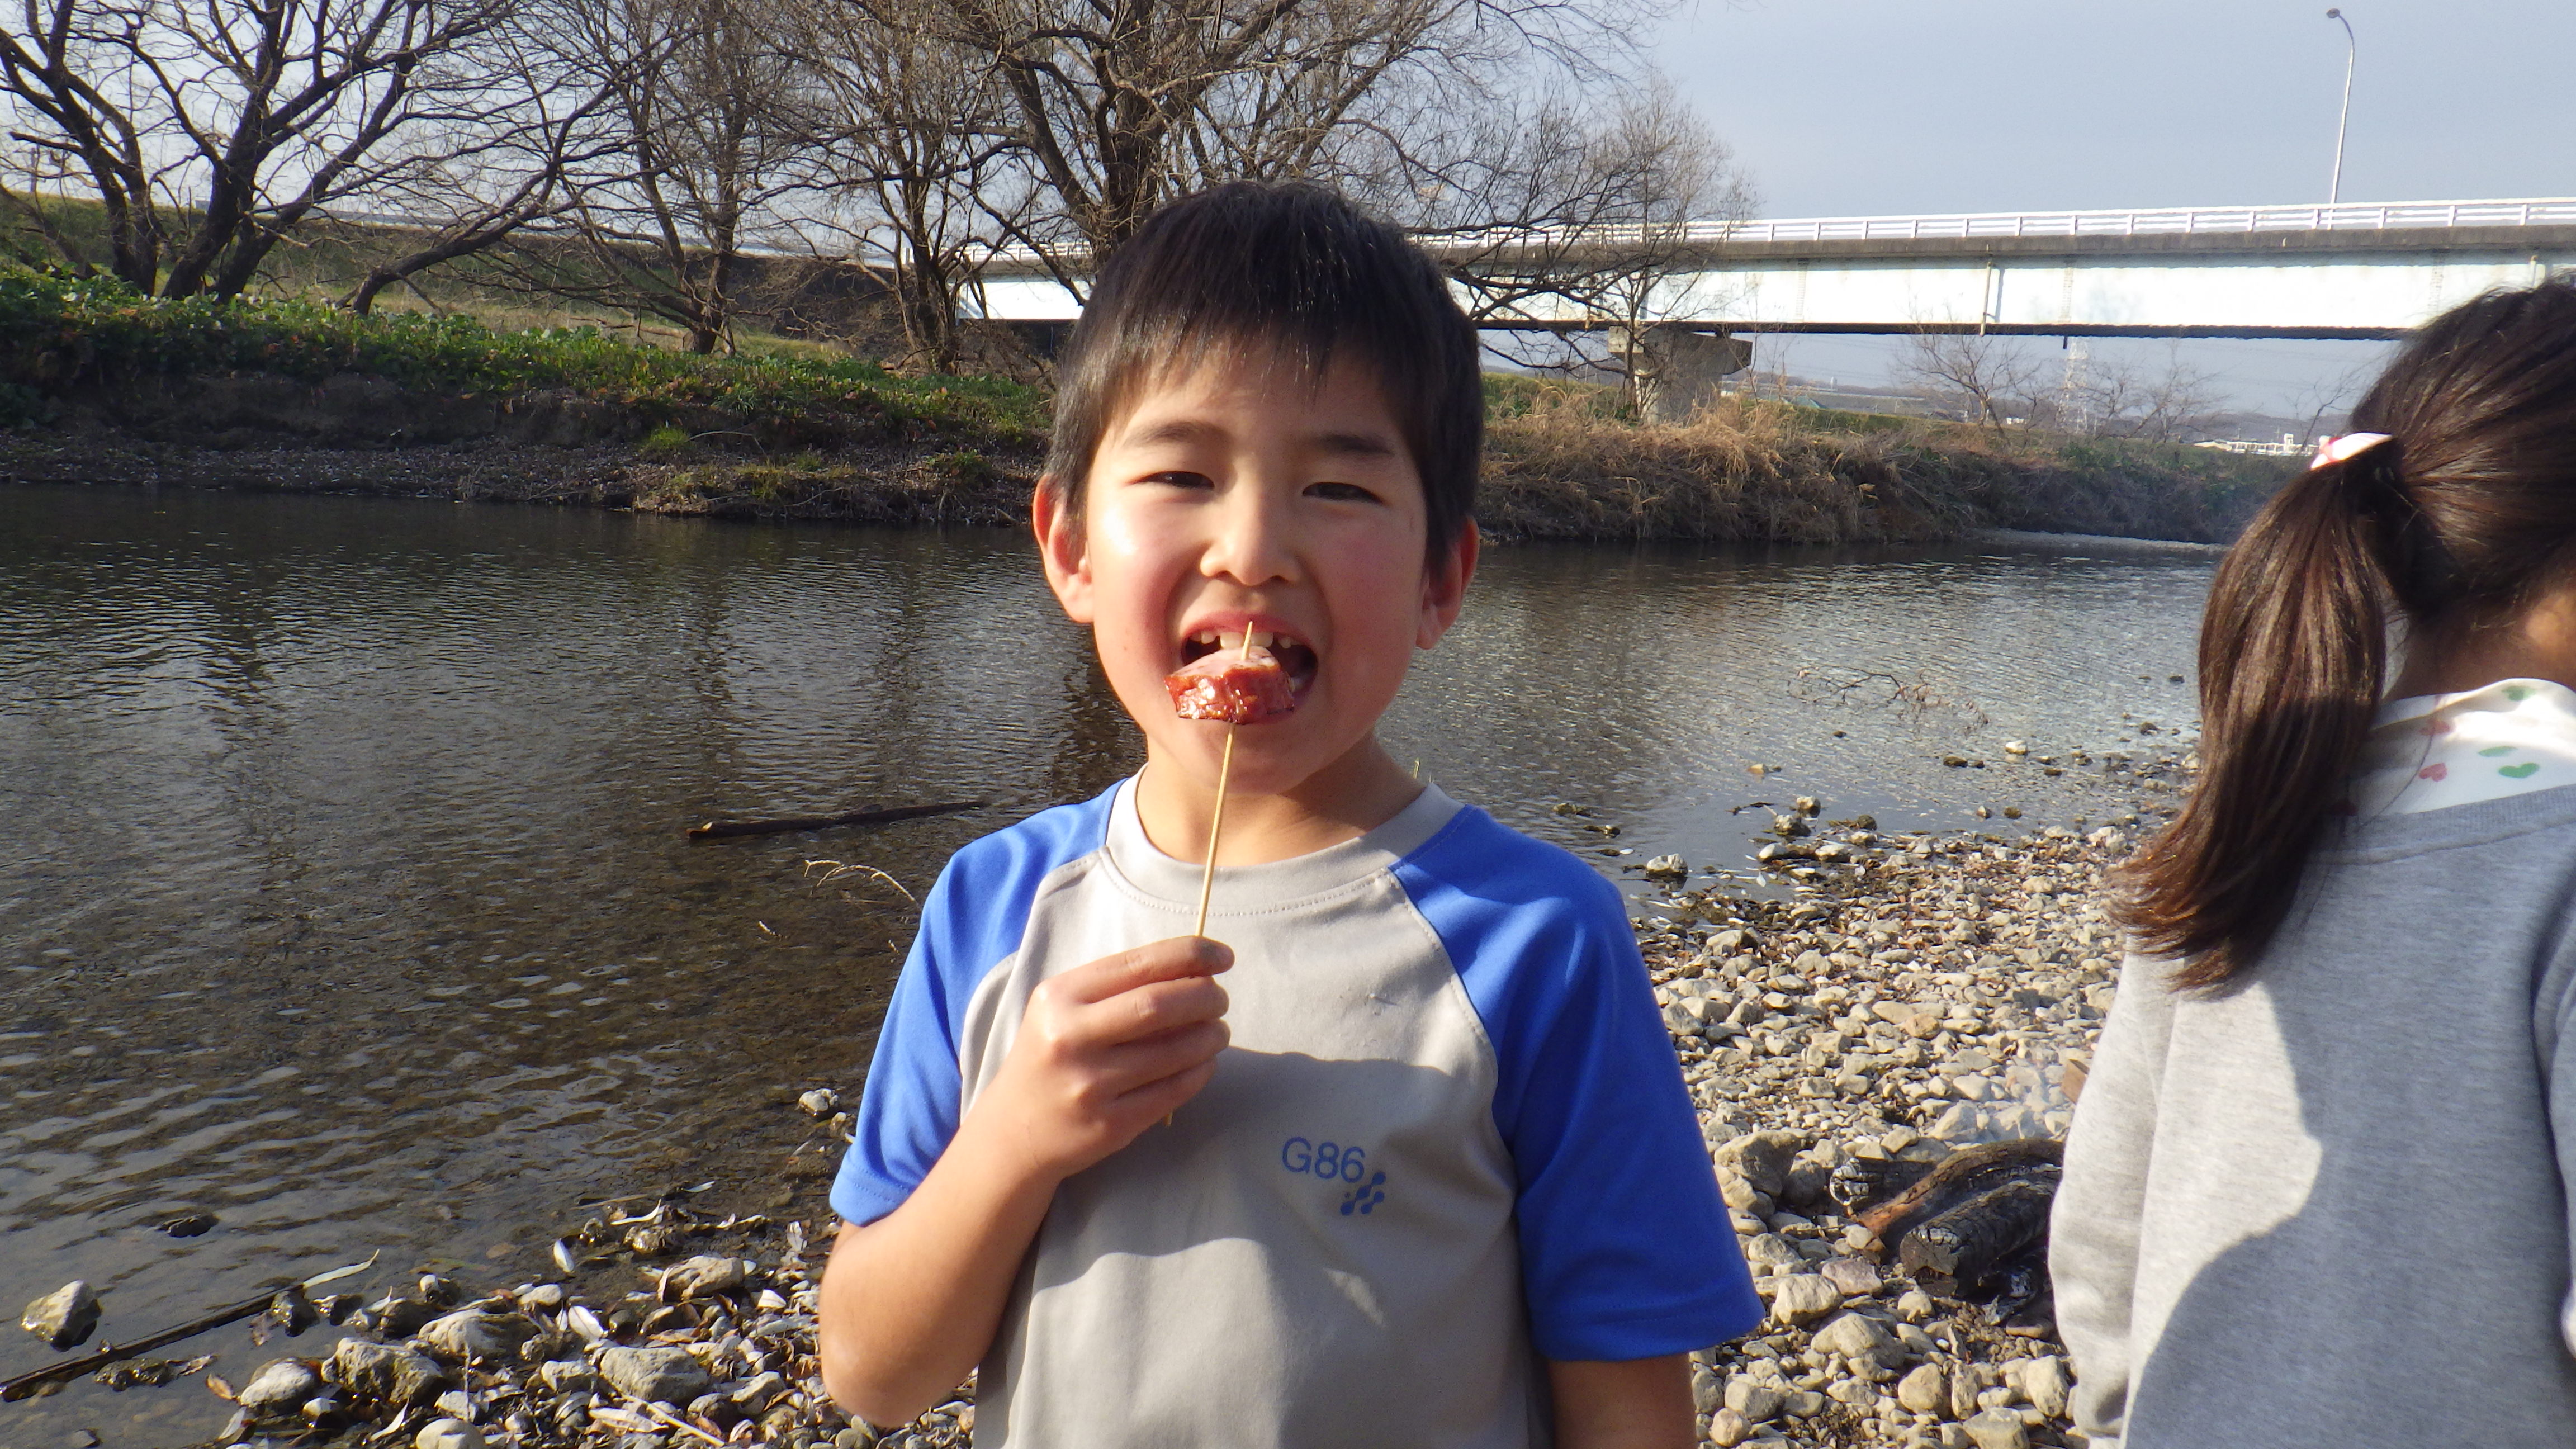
column 1294, row 657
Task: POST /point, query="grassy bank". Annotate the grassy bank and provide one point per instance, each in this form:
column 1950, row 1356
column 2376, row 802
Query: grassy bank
column 1561, row 464
column 99, row 385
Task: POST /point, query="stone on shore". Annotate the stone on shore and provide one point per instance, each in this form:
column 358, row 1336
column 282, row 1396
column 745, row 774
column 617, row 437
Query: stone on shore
column 1998, row 1429
column 64, row 1318
column 704, row 1277
column 447, row 1434
column 659, row 1375
column 387, row 1374
column 279, row 1388
column 1798, row 1299
column 473, row 1336
column 1752, row 1399
column 1859, row 1337
column 1727, row 1428
column 2043, row 1381
column 1924, row 1391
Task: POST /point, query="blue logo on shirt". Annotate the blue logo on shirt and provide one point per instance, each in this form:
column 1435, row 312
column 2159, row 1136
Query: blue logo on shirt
column 1334, row 1162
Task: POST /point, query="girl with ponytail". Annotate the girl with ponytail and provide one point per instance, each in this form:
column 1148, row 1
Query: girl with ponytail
column 2318, row 1189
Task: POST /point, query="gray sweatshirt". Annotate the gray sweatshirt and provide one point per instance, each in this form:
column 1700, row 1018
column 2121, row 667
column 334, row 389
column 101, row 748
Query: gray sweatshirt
column 2328, row 1205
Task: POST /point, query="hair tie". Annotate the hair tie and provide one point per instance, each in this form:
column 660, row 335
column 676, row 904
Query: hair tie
column 2345, row 448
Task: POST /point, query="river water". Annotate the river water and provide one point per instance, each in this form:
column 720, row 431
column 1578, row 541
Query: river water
column 345, row 896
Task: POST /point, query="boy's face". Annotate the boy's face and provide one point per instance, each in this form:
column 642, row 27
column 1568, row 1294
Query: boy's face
column 1241, row 496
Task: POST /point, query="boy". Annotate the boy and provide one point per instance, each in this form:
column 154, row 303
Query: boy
column 1430, row 1176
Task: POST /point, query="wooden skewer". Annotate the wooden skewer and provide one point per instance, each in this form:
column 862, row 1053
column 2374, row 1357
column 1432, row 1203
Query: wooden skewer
column 1216, row 820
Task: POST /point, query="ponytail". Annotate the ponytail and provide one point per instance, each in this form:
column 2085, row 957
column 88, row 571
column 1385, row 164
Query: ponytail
column 2293, row 645
column 2460, row 519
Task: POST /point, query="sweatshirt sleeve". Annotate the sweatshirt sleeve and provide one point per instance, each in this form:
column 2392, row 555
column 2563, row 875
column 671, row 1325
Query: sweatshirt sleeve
column 2554, row 1038
column 2093, row 1226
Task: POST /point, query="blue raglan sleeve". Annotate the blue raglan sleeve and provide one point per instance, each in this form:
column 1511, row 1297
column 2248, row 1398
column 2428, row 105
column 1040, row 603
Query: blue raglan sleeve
column 1627, row 1251
column 973, row 919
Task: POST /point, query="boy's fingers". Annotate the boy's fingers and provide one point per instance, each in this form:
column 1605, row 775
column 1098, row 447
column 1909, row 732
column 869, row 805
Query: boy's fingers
column 1154, row 1007
column 1170, row 960
column 1158, row 1098
column 1132, row 1064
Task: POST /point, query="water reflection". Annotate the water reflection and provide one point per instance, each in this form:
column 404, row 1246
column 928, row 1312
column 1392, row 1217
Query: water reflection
column 345, row 895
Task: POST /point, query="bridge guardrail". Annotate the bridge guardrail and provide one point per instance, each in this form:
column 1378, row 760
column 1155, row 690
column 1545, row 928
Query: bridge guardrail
column 2169, row 221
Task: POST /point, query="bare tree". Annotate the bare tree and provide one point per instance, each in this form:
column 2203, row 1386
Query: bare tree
column 911, row 135
column 545, row 131
column 208, row 130
column 2126, row 397
column 1973, row 377
column 702, row 162
column 1115, row 106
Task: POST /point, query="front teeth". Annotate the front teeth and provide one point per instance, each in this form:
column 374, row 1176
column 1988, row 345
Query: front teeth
column 1261, row 638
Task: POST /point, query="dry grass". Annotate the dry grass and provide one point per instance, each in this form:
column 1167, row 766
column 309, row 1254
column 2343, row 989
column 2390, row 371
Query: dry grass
column 1766, row 471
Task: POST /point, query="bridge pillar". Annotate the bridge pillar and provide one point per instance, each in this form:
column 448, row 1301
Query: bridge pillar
column 1677, row 369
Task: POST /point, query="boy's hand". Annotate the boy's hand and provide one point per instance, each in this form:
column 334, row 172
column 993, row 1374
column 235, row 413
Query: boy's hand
column 1106, row 1050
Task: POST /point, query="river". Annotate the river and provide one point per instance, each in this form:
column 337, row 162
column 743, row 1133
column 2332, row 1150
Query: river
column 346, row 897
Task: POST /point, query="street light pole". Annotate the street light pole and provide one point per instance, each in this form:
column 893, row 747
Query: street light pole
column 2351, row 53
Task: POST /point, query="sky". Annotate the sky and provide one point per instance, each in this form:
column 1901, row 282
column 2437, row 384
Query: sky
column 1899, row 107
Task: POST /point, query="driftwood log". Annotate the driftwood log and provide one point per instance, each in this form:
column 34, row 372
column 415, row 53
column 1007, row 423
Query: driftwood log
column 292, row 1310
column 734, row 829
column 1963, row 1175
column 27, row 1383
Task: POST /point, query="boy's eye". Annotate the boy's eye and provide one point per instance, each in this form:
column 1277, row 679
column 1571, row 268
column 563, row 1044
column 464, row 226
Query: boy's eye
column 1341, row 492
column 1180, row 478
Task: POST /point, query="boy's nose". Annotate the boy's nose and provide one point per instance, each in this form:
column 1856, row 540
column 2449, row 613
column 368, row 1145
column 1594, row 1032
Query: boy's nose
column 1252, row 544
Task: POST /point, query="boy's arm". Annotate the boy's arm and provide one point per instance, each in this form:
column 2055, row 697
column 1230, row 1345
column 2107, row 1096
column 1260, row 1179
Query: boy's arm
column 1638, row 1404
column 911, row 1301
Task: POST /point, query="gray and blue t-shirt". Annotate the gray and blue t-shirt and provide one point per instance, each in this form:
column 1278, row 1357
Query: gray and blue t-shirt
column 1449, row 1139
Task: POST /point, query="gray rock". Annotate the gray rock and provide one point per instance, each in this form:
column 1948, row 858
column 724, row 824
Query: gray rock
column 567, row 1376
column 1861, row 1339
column 64, row 1318
column 1798, row 1299
column 661, row 1375
column 820, row 1102
column 1773, row 1249
column 1727, row 1428
column 1752, row 1398
column 857, row 1436
column 1762, row 1159
column 1924, row 1391
column 1853, row 1277
column 704, row 1277
column 1802, row 1403
column 447, row 1434
column 386, row 1374
column 1915, row 1306
column 472, row 1335
column 1998, row 1429
column 1963, row 1392
column 1858, row 1393
column 1708, row 1391
column 2043, row 1382
column 279, row 1388
column 755, row 1397
column 1738, row 1193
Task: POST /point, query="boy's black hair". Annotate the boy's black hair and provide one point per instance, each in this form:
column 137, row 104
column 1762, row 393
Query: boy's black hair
column 1295, row 271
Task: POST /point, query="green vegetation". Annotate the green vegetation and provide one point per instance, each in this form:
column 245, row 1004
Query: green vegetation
column 59, row 334
column 807, row 434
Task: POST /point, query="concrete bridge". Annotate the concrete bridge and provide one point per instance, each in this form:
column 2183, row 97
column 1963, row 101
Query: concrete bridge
column 2352, row 271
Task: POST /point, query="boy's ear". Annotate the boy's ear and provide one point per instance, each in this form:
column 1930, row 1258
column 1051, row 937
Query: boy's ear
column 1062, row 548
column 1444, row 586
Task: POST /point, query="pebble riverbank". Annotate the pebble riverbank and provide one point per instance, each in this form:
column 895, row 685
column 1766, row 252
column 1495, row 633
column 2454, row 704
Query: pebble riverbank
column 1852, row 1011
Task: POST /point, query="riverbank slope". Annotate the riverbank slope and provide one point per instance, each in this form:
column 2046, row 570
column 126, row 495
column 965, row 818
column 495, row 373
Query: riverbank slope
column 98, row 386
